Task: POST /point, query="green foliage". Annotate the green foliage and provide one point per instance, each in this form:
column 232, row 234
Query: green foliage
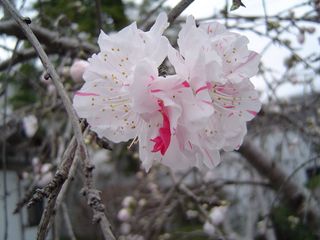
column 236, row 4
column 273, row 25
column 189, row 230
column 82, row 12
column 22, row 84
column 314, row 182
column 288, row 226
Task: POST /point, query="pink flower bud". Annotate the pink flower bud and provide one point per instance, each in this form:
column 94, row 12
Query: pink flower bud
column 77, row 69
column 124, row 215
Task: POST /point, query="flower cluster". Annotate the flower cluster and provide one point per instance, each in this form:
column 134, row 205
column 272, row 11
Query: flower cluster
column 181, row 120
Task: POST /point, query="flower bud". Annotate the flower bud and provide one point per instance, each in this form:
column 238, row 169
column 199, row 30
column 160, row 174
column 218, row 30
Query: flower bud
column 125, row 228
column 30, row 125
column 77, row 69
column 124, row 215
column 218, row 215
column 128, row 201
column 44, row 179
column 209, row 229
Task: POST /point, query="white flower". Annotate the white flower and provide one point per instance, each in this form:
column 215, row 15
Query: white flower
column 218, row 214
column 30, row 125
column 45, row 168
column 125, row 228
column 181, row 120
column 105, row 99
column 77, row 69
column 25, row 175
column 124, row 215
column 35, row 162
column 123, row 97
column 51, row 89
column 217, row 64
column 46, row 175
column 142, row 202
column 192, row 214
column 209, row 229
column 128, row 201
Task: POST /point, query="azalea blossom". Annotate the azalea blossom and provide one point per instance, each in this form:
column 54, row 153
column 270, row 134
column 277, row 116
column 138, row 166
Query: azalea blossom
column 104, row 100
column 124, row 98
column 218, row 65
column 180, row 120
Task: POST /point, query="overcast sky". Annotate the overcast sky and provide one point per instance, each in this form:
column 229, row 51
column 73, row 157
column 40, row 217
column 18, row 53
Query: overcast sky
column 273, row 58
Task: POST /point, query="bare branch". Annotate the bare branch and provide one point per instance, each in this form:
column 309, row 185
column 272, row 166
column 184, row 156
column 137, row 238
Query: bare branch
column 53, row 188
column 21, row 56
column 178, row 9
column 292, row 193
column 51, row 39
column 92, row 194
column 99, row 14
column 174, row 13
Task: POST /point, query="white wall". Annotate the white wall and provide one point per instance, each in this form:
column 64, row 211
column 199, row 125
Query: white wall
column 14, row 232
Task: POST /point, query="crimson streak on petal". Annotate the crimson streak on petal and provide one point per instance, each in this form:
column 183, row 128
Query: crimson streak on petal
column 162, row 141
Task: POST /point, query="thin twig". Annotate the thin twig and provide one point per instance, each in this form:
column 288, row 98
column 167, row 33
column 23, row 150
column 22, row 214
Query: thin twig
column 53, row 189
column 93, row 196
column 154, row 227
column 144, row 23
column 22, row 56
column 99, row 14
column 265, row 16
column 66, row 184
column 174, row 13
column 288, row 179
column 51, row 39
column 178, row 9
column 50, row 69
column 67, row 221
column 294, row 194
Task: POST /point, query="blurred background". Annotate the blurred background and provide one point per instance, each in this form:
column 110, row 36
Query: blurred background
column 272, row 192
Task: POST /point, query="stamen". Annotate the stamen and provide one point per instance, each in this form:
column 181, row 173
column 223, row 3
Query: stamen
column 134, row 141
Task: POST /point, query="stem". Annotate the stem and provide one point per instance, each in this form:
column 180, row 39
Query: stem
column 93, row 195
